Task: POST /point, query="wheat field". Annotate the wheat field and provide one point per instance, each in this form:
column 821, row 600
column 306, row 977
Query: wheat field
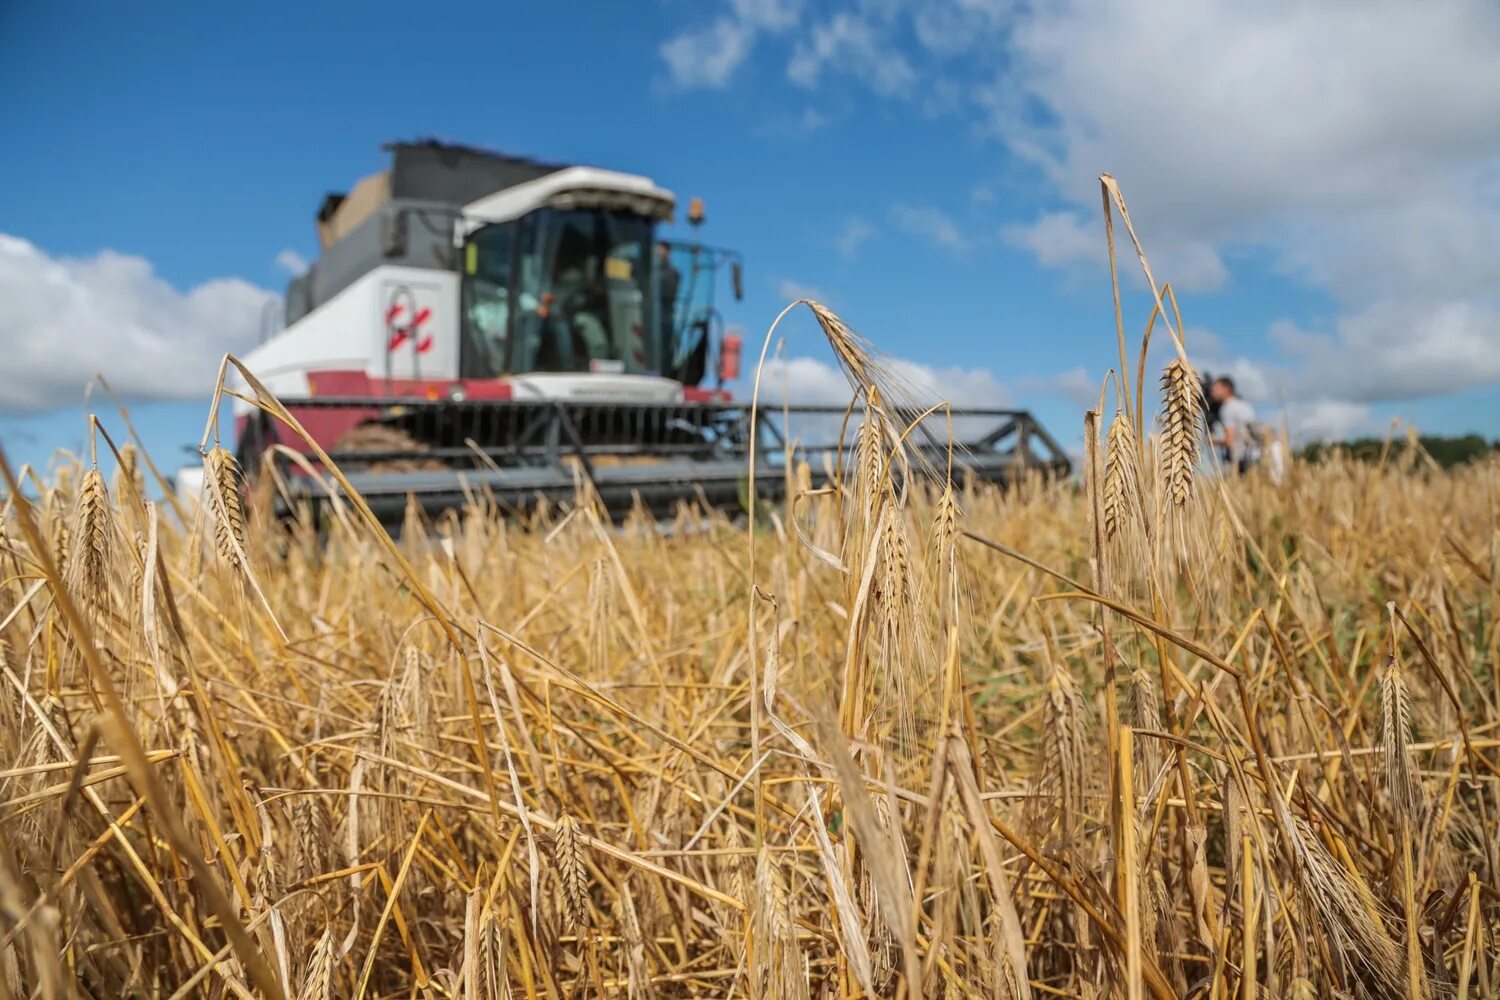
column 1156, row 735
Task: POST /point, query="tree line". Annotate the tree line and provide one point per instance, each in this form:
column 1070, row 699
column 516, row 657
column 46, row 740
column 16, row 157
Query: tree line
column 1446, row 451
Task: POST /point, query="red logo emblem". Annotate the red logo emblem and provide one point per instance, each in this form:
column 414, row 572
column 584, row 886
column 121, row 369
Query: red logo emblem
column 404, row 322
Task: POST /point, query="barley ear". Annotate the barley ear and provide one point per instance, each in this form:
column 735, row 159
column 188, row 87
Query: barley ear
column 1395, row 735
column 317, row 983
column 92, row 536
column 1122, row 486
column 572, row 875
column 222, row 487
column 1181, row 421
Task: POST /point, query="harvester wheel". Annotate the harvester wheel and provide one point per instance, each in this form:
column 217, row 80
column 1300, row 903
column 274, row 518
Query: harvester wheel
column 386, row 441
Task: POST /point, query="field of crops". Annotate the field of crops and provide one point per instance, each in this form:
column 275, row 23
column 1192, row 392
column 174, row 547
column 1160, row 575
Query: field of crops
column 1159, row 735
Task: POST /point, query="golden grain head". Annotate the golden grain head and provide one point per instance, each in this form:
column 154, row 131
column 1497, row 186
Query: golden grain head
column 1122, row 500
column 223, row 487
column 93, row 538
column 1181, row 425
column 571, row 872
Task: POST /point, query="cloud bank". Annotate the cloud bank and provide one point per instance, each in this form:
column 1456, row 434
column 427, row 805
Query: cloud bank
column 63, row 320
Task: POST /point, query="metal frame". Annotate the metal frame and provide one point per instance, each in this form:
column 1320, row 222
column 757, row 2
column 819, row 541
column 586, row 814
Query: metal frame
column 534, row 449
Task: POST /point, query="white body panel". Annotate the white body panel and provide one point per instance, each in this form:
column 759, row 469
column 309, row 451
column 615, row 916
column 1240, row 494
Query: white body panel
column 352, row 331
column 395, row 322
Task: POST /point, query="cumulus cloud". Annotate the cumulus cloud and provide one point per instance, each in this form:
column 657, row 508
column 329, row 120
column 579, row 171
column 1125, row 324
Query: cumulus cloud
column 1055, row 238
column 65, row 319
column 292, row 263
column 853, row 234
column 709, row 55
column 814, row 382
column 1328, row 420
column 856, row 46
column 790, row 291
column 1351, row 143
column 953, row 27
column 931, row 224
column 1075, row 385
column 1061, row 239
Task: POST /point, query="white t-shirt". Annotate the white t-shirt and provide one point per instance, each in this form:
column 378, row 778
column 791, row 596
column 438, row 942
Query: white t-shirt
column 1239, row 415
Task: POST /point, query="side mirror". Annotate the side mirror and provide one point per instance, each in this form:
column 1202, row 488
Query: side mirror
column 737, row 280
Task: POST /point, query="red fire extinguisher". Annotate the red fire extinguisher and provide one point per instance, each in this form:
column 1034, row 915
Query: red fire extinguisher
column 729, row 358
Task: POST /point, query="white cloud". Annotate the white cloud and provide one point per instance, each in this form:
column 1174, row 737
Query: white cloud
column 790, row 291
column 1061, row 239
column 1354, row 143
column 814, row 381
column 1400, row 350
column 708, row 56
column 63, row 320
column 812, row 119
column 768, row 15
column 1077, row 387
column 810, row 381
column 1057, row 238
column 1328, row 420
column 853, row 45
column 931, row 224
column 852, row 235
column 954, row 27
column 292, row 263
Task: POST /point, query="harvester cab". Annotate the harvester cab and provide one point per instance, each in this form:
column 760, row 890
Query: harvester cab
column 482, row 324
column 580, row 285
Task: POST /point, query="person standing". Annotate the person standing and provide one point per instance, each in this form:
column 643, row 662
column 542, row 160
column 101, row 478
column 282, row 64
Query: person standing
column 1237, row 442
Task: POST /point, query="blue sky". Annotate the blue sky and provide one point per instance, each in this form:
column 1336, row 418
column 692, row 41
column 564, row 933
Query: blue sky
column 1323, row 186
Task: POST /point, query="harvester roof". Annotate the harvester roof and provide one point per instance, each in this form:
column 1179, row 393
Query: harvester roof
column 572, row 188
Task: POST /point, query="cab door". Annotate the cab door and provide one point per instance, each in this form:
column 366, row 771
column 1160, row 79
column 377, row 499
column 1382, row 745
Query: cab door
column 487, row 301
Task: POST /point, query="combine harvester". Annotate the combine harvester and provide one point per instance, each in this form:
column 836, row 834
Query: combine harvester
column 485, row 324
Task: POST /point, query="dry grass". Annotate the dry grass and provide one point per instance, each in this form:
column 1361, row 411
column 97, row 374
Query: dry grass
column 917, row 758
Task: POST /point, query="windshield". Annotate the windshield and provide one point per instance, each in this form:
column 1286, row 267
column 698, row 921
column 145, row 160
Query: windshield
column 582, row 302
